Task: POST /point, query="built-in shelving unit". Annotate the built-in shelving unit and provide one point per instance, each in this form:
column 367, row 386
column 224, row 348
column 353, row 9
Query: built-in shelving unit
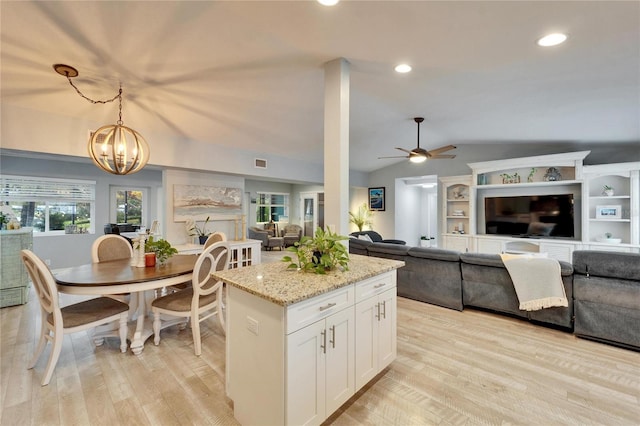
column 602, row 221
column 612, row 220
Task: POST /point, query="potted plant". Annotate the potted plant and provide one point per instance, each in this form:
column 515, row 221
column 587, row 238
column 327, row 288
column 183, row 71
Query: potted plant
column 194, row 230
column 162, row 249
column 608, row 190
column 320, row 253
column 362, row 218
column 424, row 241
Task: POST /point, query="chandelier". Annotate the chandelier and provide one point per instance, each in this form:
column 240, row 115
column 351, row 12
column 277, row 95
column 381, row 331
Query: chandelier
column 114, row 148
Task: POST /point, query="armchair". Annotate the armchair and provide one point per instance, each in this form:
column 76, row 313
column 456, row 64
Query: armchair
column 291, row 234
column 268, row 238
column 256, row 233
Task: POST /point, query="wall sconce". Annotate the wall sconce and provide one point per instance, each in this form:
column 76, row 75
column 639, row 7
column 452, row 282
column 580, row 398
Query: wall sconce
column 114, row 148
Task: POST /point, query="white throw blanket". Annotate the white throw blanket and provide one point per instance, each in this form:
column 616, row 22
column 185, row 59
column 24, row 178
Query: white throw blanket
column 537, row 281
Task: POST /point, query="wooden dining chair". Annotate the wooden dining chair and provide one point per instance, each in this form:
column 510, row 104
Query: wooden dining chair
column 200, row 301
column 214, row 238
column 57, row 321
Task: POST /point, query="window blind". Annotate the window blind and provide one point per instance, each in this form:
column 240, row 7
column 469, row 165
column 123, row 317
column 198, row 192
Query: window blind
column 34, row 188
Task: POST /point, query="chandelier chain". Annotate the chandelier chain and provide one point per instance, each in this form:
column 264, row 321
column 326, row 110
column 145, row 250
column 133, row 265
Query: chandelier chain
column 119, row 95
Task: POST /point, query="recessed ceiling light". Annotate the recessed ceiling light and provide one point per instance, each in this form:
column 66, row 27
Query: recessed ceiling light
column 403, row 68
column 328, row 2
column 552, row 39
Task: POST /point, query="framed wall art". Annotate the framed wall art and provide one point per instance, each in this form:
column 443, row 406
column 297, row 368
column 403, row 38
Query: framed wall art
column 376, row 199
column 197, row 202
column 608, row 212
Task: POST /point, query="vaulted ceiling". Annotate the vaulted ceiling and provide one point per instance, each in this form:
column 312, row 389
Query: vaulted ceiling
column 249, row 75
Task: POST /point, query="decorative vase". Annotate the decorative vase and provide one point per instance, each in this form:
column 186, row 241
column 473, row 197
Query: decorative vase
column 608, row 192
column 149, row 259
column 203, row 239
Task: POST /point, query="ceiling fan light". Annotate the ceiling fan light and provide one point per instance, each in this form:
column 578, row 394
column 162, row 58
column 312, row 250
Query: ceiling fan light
column 418, row 158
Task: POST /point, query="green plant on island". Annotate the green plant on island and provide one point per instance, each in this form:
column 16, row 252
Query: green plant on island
column 320, row 253
column 362, row 218
column 162, row 248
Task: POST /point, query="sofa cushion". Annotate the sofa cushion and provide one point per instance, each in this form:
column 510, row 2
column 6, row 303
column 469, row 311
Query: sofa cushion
column 607, row 291
column 434, row 253
column 607, row 264
column 357, row 246
column 494, row 260
column 397, row 250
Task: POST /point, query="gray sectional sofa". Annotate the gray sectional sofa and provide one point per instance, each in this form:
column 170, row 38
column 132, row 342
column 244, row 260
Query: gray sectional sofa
column 603, row 288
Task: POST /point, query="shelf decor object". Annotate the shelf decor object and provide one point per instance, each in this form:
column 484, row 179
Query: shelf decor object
column 114, row 148
column 608, row 191
column 552, row 175
column 608, row 212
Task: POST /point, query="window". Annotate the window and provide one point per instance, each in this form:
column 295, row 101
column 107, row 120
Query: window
column 50, row 206
column 128, row 205
column 271, row 206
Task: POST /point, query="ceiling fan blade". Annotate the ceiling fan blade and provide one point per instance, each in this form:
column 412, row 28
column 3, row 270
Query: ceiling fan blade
column 441, row 149
column 436, row 157
column 397, row 156
column 405, row 150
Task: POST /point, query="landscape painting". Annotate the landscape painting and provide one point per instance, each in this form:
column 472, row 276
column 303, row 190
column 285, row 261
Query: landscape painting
column 198, row 202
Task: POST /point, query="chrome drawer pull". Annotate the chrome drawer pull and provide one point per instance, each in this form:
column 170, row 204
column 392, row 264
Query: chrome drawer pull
column 323, row 345
column 330, row 305
column 379, row 285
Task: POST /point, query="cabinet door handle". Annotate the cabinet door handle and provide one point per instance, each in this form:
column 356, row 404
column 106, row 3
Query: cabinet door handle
column 384, row 309
column 332, row 340
column 323, row 345
column 327, row 306
column 378, row 314
column 379, row 285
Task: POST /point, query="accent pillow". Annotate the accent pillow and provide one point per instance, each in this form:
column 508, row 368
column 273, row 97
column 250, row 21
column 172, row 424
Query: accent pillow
column 365, row 237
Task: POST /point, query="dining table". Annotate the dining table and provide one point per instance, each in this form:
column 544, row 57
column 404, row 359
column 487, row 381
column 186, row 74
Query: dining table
column 119, row 277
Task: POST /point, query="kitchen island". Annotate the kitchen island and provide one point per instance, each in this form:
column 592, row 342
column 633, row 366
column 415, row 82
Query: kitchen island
column 299, row 345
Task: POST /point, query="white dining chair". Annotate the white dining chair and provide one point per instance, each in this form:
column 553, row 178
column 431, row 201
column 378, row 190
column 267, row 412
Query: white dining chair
column 215, row 238
column 57, row 321
column 200, row 301
column 115, row 247
column 110, row 247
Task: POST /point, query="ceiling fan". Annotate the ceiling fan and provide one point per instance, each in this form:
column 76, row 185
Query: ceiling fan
column 418, row 155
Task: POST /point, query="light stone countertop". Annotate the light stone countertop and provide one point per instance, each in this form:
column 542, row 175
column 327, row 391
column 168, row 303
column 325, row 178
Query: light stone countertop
column 282, row 286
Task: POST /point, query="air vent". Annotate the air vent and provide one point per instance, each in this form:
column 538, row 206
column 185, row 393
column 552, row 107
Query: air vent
column 101, row 137
column 260, row 163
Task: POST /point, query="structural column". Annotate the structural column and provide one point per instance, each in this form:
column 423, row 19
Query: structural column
column 336, row 145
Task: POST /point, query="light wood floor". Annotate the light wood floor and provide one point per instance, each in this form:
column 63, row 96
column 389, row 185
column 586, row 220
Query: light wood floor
column 452, row 368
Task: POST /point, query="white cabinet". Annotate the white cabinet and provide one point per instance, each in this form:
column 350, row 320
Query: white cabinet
column 490, row 245
column 458, row 243
column 376, row 318
column 320, row 362
column 243, row 252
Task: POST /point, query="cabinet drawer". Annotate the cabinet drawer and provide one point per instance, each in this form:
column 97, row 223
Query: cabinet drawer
column 302, row 314
column 376, row 285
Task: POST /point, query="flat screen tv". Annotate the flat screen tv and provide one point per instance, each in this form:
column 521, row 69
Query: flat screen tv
column 530, row 215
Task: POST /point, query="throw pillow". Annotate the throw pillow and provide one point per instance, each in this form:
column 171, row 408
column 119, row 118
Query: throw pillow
column 365, row 237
